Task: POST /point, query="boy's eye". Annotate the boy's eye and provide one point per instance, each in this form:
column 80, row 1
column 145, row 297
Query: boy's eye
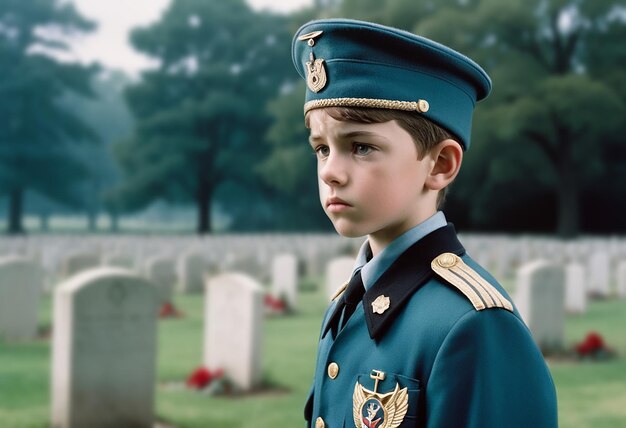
column 322, row 151
column 362, row 149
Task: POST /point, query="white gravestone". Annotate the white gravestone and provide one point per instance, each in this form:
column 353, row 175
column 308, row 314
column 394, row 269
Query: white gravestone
column 285, row 278
column 233, row 328
column 79, row 262
column 338, row 271
column 540, row 299
column 161, row 271
column 104, row 350
column 575, row 291
column 621, row 279
column 21, row 285
column 118, row 260
column 599, row 275
column 192, row 268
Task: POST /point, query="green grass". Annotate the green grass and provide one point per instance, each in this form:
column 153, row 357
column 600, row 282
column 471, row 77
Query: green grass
column 590, row 394
column 594, row 394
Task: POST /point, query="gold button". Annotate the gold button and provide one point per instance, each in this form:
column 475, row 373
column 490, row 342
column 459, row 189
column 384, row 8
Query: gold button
column 333, row 370
column 423, row 106
column 319, row 423
column 447, row 260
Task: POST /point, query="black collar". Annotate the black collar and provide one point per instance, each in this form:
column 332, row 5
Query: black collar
column 406, row 275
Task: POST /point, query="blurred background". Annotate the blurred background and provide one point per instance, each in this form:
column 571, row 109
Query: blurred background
column 186, row 115
column 167, row 137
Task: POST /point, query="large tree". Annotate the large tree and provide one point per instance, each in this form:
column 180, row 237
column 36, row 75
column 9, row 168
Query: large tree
column 110, row 118
column 552, row 116
column 38, row 135
column 202, row 114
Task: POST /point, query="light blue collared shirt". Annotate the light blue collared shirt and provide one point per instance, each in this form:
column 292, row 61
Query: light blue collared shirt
column 373, row 269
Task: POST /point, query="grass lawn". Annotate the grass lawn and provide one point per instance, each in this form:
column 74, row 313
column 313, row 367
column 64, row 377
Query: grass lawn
column 590, row 394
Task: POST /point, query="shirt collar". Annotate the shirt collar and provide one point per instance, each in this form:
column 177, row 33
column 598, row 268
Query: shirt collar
column 373, row 267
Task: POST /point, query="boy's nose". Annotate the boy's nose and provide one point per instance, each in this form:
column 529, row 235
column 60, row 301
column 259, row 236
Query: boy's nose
column 333, row 171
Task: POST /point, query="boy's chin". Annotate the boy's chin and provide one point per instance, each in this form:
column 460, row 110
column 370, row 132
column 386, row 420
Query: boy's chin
column 349, row 231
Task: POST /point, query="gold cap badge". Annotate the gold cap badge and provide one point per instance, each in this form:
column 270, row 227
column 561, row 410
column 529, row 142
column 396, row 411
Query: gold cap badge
column 310, row 37
column 315, row 70
column 315, row 74
column 381, row 304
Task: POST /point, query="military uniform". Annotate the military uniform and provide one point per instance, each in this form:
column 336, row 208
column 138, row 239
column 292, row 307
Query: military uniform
column 449, row 338
column 434, row 341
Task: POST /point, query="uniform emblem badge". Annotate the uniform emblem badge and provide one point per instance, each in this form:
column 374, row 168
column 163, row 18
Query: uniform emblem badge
column 371, row 409
column 315, row 70
column 380, row 305
column 315, row 74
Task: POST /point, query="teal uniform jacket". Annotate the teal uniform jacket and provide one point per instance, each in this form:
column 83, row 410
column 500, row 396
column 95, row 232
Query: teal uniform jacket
column 451, row 355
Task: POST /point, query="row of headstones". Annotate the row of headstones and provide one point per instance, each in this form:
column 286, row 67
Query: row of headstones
column 104, row 344
column 251, row 253
column 545, row 292
column 103, row 313
column 503, row 256
column 106, row 312
column 21, row 283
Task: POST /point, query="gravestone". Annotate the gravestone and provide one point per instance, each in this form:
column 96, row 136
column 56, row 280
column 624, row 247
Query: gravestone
column 118, row 260
column 233, row 328
column 161, row 272
column 621, row 279
column 575, row 290
column 285, row 278
column 338, row 271
column 540, row 299
column 104, row 350
column 78, row 262
column 192, row 268
column 599, row 275
column 21, row 285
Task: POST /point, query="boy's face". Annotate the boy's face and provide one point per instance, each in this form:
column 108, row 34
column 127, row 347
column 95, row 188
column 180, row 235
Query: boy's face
column 371, row 180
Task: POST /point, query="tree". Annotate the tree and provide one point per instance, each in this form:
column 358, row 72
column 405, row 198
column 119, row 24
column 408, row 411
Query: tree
column 108, row 115
column 291, row 167
column 548, row 111
column 201, row 115
column 37, row 135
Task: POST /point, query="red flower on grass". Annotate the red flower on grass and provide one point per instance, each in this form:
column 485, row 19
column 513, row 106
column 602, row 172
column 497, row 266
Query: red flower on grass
column 592, row 344
column 202, row 377
column 168, row 310
column 274, row 304
column 594, row 347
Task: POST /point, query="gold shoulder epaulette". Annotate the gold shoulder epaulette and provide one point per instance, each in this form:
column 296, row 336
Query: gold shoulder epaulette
column 480, row 292
column 340, row 290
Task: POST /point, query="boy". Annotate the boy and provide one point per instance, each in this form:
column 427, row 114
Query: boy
column 421, row 336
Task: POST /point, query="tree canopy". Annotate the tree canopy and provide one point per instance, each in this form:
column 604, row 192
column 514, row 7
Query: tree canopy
column 202, row 114
column 38, row 135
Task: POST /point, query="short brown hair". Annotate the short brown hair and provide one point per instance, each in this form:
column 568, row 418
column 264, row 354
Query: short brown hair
column 425, row 134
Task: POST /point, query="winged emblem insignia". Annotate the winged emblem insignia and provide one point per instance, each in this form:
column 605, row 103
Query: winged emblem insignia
column 316, row 74
column 375, row 410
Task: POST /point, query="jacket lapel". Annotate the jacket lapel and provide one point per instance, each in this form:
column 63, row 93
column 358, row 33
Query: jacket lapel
column 405, row 276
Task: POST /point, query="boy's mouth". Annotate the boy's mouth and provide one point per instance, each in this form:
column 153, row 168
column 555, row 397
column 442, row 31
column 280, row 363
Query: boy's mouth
column 335, row 204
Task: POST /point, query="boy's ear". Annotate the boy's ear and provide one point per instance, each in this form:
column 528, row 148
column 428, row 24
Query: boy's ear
column 447, row 157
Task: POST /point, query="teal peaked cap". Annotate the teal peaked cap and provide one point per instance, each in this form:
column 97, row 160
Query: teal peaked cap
column 348, row 63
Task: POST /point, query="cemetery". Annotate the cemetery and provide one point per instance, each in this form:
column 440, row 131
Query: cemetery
column 81, row 342
column 137, row 287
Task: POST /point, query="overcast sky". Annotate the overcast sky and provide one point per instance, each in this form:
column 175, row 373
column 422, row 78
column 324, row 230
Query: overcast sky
column 109, row 43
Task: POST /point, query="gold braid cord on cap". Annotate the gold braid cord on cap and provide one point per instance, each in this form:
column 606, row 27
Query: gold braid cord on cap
column 419, row 106
column 480, row 292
